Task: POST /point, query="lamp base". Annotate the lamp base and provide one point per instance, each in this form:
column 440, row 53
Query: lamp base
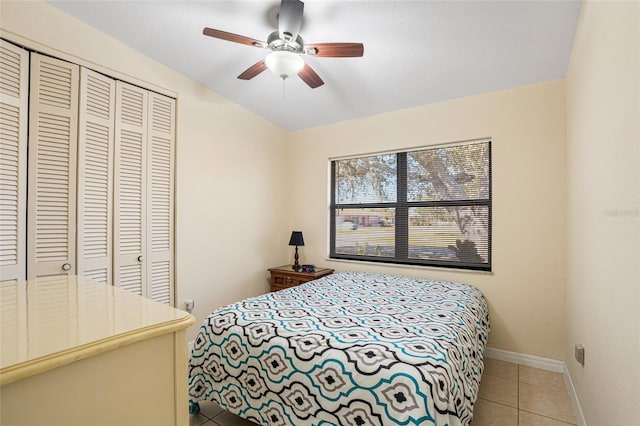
column 296, row 265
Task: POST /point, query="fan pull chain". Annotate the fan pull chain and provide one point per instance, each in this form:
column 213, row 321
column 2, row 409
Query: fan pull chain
column 283, row 91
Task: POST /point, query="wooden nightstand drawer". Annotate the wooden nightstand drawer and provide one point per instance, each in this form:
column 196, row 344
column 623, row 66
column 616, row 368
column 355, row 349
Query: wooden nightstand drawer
column 284, row 281
column 285, row 277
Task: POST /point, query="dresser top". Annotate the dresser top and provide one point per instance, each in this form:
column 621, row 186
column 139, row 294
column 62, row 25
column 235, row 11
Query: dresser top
column 46, row 323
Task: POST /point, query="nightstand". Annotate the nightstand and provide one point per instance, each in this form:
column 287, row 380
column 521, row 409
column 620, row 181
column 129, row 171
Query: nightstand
column 285, row 277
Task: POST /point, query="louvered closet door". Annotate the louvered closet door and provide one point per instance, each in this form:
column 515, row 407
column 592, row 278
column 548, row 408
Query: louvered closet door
column 95, row 175
column 161, row 152
column 51, row 204
column 129, row 265
column 14, row 97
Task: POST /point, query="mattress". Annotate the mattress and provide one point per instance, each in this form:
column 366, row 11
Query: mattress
column 350, row 348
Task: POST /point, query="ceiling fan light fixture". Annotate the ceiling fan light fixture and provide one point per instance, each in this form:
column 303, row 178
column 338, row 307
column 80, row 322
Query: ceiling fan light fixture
column 284, row 64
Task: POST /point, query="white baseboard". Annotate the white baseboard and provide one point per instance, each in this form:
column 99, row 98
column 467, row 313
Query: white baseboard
column 524, row 359
column 544, row 364
column 577, row 409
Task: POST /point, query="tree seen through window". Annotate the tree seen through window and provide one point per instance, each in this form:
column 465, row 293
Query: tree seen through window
column 429, row 206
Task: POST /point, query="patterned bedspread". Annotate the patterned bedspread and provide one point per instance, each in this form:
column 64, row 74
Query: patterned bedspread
column 348, row 349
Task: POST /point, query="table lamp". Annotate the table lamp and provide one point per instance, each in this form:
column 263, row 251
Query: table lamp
column 296, row 240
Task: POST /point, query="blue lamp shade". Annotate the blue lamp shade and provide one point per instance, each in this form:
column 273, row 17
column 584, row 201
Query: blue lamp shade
column 296, row 239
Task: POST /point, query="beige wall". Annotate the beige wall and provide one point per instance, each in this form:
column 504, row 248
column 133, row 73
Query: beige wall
column 603, row 138
column 526, row 289
column 216, row 141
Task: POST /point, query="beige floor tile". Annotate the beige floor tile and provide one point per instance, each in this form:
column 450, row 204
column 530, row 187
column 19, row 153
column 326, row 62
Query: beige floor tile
column 197, row 419
column 497, row 389
column 504, row 369
column 538, row 377
column 487, row 413
column 210, row 409
column 227, row 419
column 530, row 419
column 546, row 402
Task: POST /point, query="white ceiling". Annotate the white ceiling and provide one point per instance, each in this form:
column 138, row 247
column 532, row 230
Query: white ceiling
column 415, row 52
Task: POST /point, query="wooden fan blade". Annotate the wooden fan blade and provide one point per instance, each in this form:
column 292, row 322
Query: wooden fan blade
column 253, row 70
column 309, row 76
column 335, row 50
column 223, row 35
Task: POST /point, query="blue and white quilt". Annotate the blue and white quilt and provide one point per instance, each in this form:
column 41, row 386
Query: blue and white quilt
column 348, row 349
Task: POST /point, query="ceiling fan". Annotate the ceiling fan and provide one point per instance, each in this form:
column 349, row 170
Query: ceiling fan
column 286, row 46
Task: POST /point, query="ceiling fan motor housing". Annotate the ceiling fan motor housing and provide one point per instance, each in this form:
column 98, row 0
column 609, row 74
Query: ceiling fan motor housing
column 275, row 43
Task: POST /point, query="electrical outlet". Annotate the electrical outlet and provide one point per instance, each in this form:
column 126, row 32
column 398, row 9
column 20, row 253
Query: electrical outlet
column 579, row 353
column 189, row 305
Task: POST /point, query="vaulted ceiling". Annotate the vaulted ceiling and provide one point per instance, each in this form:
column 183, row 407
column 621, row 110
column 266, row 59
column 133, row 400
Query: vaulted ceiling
column 415, row 52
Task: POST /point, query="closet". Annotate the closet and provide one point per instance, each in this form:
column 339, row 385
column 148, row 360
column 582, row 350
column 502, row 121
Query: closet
column 87, row 167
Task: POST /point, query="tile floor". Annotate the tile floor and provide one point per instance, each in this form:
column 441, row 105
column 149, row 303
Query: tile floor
column 515, row 395
column 212, row 415
column 510, row 395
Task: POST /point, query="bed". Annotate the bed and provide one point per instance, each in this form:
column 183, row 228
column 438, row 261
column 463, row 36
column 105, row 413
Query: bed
column 350, row 348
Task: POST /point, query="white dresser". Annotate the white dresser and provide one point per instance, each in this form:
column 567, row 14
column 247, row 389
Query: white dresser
column 76, row 352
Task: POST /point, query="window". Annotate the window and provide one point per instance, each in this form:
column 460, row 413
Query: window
column 424, row 207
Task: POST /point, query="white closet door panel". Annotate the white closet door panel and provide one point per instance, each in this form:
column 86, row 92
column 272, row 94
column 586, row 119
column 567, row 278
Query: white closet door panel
column 14, row 98
column 161, row 281
column 95, row 175
column 130, row 277
column 161, row 202
column 129, row 267
column 101, row 275
column 53, row 127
